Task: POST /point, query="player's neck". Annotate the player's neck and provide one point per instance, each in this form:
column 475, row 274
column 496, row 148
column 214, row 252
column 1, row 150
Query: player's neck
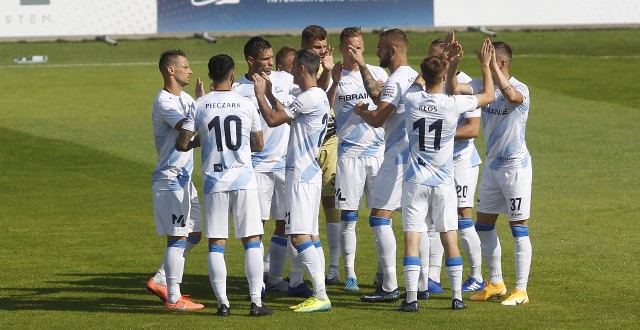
column 435, row 89
column 397, row 64
column 174, row 89
column 350, row 65
column 222, row 87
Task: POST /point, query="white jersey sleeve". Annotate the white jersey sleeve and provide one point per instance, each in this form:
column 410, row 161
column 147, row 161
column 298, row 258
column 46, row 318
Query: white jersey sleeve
column 174, row 168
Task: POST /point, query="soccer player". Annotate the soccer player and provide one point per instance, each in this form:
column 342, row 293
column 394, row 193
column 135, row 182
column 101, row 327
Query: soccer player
column 175, row 200
column 429, row 190
column 360, row 146
column 284, row 59
column 308, row 116
column 229, row 129
column 466, row 162
column 506, row 179
column 269, row 162
column 314, row 38
column 392, row 52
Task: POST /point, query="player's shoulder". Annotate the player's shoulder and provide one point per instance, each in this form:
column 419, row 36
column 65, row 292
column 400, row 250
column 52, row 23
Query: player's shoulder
column 242, row 82
column 518, row 84
column 377, row 71
column 186, row 97
column 463, row 77
column 281, row 76
column 164, row 100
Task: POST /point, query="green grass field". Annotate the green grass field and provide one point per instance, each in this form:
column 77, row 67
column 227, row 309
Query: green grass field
column 79, row 243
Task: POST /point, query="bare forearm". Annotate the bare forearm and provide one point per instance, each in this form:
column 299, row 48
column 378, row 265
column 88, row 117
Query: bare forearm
column 451, row 82
column 370, row 84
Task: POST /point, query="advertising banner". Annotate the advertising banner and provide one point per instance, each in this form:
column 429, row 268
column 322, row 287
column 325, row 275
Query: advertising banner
column 37, row 18
column 234, row 15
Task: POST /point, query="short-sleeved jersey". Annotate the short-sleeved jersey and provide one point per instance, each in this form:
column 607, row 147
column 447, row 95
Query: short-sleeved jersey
column 431, row 121
column 272, row 157
column 356, row 138
column 504, row 125
column 174, row 168
column 464, row 151
column 224, row 121
column 395, row 130
column 309, row 114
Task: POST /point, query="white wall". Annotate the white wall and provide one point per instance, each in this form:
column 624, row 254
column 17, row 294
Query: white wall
column 77, row 17
column 535, row 12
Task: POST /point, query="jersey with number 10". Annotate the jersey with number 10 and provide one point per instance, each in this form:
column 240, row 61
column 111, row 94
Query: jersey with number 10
column 224, row 121
column 309, row 114
column 431, row 121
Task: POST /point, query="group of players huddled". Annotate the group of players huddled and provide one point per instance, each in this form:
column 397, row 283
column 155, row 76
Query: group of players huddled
column 278, row 143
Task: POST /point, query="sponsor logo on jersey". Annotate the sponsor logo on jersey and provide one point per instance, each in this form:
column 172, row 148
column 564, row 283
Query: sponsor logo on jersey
column 493, row 111
column 199, row 3
column 350, row 97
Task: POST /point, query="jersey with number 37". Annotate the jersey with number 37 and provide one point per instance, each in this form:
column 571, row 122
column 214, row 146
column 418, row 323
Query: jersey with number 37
column 224, row 121
column 431, row 121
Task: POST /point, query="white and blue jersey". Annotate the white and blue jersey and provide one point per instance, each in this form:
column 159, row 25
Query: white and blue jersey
column 272, row 157
column 224, row 121
column 395, row 130
column 431, row 121
column 465, row 153
column 504, row 125
column 356, row 138
column 173, row 171
column 309, row 114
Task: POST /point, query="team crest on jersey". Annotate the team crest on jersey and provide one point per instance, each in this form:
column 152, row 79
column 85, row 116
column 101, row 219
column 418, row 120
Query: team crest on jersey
column 217, row 167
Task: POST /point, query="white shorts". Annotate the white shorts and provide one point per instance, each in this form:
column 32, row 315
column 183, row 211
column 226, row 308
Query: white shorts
column 219, row 207
column 271, row 194
column 355, row 176
column 466, row 179
column 387, row 191
column 506, row 192
column 302, row 207
column 177, row 212
column 421, row 204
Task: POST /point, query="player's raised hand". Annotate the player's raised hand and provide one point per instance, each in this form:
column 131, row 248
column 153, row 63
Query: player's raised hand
column 199, row 88
column 356, row 54
column 454, row 53
column 259, row 84
column 336, row 72
column 449, row 41
column 486, row 52
column 327, row 59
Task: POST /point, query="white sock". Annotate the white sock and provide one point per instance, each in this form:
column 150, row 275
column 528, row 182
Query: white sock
column 523, row 254
column 218, row 273
column 491, row 251
column 253, row 269
column 174, row 268
column 266, row 260
column 333, row 240
column 454, row 272
column 309, row 257
column 425, row 244
column 411, row 269
column 386, row 248
column 320, row 250
column 470, row 243
column 296, row 276
column 436, row 251
column 278, row 253
column 348, row 242
column 160, row 277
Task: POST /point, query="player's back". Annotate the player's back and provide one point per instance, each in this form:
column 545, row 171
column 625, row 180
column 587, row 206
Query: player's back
column 224, row 121
column 395, row 131
column 174, row 168
column 431, row 121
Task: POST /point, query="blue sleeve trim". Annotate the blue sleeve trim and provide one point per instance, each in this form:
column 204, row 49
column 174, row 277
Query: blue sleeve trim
column 252, row 245
column 317, row 244
column 484, row 227
column 457, row 261
column 464, row 223
column 216, row 248
column 519, row 231
column 177, row 244
column 411, row 261
column 194, row 239
column 379, row 221
column 349, row 216
column 282, row 241
column 304, row 246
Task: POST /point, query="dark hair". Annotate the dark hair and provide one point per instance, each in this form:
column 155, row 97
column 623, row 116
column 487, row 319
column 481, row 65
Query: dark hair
column 312, row 32
column 220, row 66
column 309, row 59
column 395, row 37
column 283, row 53
column 439, row 41
column 502, row 49
column 168, row 57
column 433, row 68
column 255, row 46
column 350, row 32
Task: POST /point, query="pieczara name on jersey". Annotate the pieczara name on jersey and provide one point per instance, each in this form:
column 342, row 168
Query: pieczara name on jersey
column 221, row 105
